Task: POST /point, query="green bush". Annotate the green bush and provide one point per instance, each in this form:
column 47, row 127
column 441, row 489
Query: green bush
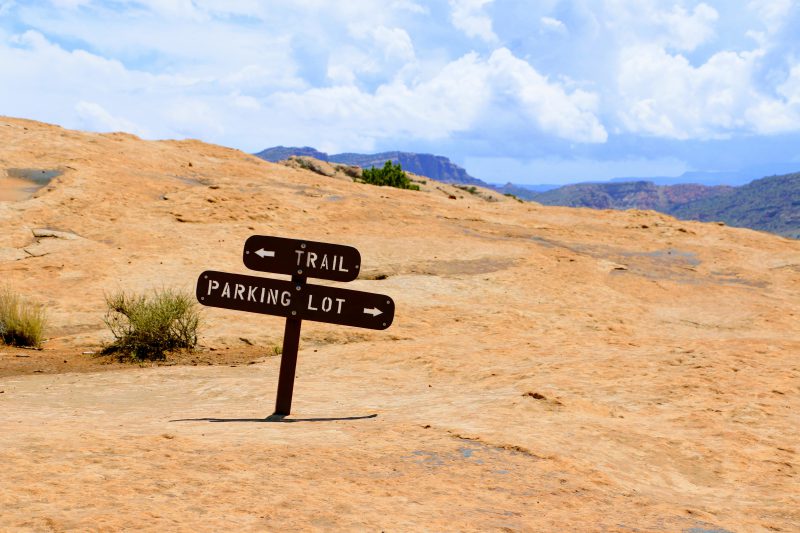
column 149, row 326
column 470, row 189
column 391, row 175
column 22, row 323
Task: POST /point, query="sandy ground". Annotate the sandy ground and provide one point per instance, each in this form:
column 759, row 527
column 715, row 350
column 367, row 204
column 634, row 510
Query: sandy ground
column 548, row 368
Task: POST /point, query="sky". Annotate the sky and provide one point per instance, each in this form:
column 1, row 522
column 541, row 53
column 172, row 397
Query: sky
column 549, row 91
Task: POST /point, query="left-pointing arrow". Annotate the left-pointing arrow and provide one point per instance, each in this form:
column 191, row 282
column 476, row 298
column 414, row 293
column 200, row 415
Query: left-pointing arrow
column 374, row 311
column 262, row 253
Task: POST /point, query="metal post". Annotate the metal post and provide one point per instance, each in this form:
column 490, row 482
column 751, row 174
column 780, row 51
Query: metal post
column 291, row 342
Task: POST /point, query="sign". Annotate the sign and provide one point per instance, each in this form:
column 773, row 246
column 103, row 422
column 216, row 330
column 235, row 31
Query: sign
column 295, row 300
column 302, row 258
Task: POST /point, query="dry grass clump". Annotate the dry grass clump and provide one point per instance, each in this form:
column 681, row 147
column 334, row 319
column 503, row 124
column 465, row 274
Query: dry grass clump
column 22, row 322
column 147, row 326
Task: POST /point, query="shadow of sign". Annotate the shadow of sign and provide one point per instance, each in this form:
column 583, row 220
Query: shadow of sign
column 276, row 418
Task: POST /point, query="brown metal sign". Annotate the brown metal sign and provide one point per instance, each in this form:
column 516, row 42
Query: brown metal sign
column 297, row 257
column 295, row 300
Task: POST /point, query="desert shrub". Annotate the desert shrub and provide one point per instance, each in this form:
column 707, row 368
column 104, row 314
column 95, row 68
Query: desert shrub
column 149, row 326
column 470, row 189
column 390, row 175
column 22, row 322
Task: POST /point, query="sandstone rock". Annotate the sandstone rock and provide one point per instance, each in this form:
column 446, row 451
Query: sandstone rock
column 676, row 379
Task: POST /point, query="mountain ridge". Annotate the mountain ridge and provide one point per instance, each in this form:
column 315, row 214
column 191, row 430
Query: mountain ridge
column 436, row 167
column 767, row 204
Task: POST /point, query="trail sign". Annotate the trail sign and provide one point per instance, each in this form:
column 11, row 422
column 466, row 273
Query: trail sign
column 295, row 300
column 302, row 258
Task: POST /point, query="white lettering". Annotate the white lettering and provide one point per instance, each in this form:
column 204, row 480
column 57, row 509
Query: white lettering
column 239, row 292
column 212, row 285
column 226, row 290
column 286, row 298
column 310, row 298
column 262, row 294
column 272, row 296
column 299, row 256
column 340, row 301
column 326, row 304
column 311, row 260
column 341, row 264
column 324, row 262
column 251, row 293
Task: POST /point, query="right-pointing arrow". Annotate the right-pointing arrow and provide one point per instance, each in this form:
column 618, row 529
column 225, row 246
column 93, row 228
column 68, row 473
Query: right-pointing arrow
column 373, row 311
column 262, row 253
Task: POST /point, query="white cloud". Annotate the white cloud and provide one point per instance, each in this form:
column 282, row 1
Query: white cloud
column 780, row 114
column 660, row 92
column 214, row 102
column 95, row 117
column 450, row 101
column 394, row 43
column 346, row 63
column 790, row 89
column 189, row 116
column 6, row 6
column 379, row 50
column 772, row 13
column 178, row 9
column 768, row 116
column 664, row 95
column 459, row 97
column 257, row 78
column 646, row 21
column 408, row 5
column 245, row 102
column 69, row 4
column 568, row 116
column 553, row 24
column 357, row 74
column 83, row 90
column 685, row 30
column 469, row 17
column 34, row 56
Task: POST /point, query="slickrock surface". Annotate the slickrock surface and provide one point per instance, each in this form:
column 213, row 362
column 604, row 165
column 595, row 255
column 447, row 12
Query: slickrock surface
column 548, row 368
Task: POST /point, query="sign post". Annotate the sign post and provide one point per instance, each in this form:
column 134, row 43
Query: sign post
column 291, row 342
column 296, row 300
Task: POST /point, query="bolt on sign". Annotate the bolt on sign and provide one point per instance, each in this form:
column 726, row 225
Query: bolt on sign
column 296, row 300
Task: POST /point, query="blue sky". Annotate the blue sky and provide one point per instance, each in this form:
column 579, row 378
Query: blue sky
column 529, row 92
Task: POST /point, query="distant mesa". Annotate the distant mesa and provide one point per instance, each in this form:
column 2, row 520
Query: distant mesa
column 435, row 167
column 280, row 153
column 768, row 204
column 630, row 195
